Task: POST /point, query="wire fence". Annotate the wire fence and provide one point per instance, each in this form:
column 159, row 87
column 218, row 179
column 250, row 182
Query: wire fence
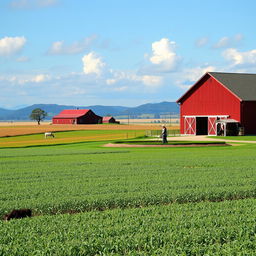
column 157, row 133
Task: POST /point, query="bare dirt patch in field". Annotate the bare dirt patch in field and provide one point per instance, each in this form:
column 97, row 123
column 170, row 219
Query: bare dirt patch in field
column 23, row 128
column 163, row 146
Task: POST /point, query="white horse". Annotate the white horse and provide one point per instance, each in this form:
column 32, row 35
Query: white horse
column 48, row 134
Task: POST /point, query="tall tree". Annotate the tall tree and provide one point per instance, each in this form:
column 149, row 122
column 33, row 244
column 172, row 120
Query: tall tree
column 38, row 115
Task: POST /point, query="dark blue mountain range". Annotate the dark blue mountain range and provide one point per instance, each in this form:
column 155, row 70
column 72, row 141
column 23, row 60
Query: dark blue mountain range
column 53, row 109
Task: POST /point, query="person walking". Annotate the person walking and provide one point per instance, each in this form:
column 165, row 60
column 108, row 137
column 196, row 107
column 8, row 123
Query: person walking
column 164, row 134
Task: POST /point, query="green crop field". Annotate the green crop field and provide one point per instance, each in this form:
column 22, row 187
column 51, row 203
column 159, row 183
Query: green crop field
column 224, row 228
column 91, row 200
column 243, row 138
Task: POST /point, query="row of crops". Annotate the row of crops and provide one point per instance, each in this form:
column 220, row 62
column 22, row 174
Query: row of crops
column 84, row 177
column 135, row 201
column 224, row 228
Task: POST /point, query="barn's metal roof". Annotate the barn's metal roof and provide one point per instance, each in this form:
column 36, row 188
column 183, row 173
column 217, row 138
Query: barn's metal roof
column 72, row 113
column 241, row 84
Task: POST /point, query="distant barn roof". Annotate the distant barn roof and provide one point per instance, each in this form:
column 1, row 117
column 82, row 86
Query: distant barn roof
column 72, row 113
column 107, row 118
column 241, row 84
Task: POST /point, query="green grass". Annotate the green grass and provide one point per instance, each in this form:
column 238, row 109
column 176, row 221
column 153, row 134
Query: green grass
column 84, row 177
column 246, row 138
column 136, row 201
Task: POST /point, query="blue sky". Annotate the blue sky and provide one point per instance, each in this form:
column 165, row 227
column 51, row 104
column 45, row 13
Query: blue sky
column 110, row 52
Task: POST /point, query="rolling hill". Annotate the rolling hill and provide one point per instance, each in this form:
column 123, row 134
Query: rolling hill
column 53, row 109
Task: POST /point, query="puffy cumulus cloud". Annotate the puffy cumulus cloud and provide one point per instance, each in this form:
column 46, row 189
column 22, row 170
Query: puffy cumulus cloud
column 93, row 64
column 225, row 41
column 11, row 45
column 31, row 4
column 60, row 48
column 240, row 58
column 164, row 54
column 163, row 58
column 120, row 77
column 190, row 76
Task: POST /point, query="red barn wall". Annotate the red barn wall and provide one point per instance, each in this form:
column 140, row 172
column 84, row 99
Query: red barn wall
column 209, row 97
column 64, row 120
column 248, row 116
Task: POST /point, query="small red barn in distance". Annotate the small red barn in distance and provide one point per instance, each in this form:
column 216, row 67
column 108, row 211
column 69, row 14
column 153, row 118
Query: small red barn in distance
column 77, row 116
column 219, row 101
column 109, row 119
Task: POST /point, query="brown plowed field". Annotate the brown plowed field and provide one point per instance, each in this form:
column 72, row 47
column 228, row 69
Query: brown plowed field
column 21, row 129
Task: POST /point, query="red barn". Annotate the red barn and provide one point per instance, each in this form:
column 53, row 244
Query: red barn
column 219, row 102
column 109, row 119
column 77, row 116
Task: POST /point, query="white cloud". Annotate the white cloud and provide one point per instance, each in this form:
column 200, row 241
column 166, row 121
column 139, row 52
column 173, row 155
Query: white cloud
column 121, row 89
column 228, row 41
column 202, row 41
column 223, row 42
column 240, row 58
column 30, row 4
column 93, row 64
column 40, row 78
column 60, row 48
column 152, row 81
column 25, row 79
column 111, row 81
column 121, row 77
column 163, row 58
column 11, row 45
column 190, row 76
column 164, row 54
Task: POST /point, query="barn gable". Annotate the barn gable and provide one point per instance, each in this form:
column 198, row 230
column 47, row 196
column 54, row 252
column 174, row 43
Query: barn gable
column 241, row 85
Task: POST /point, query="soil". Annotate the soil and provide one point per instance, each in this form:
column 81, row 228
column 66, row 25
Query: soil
column 163, row 146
